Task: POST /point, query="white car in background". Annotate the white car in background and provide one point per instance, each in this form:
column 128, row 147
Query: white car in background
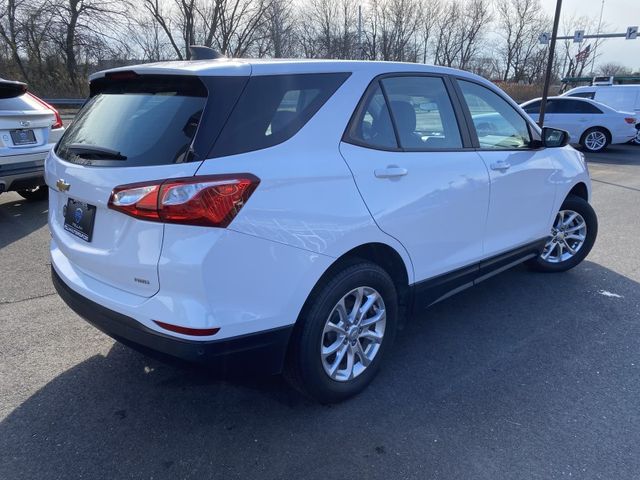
column 29, row 128
column 624, row 98
column 590, row 124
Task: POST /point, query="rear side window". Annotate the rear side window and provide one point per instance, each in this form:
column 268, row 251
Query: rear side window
column 533, row 107
column 138, row 122
column 589, row 95
column 372, row 125
column 273, row 108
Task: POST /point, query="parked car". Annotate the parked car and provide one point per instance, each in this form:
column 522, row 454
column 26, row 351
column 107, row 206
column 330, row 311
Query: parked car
column 590, row 124
column 278, row 215
column 29, row 128
column 619, row 97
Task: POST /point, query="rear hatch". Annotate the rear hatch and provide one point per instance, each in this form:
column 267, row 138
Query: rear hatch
column 134, row 128
column 25, row 124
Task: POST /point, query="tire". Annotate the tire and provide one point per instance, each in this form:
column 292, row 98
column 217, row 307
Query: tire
column 35, row 194
column 307, row 369
column 595, row 139
column 636, row 140
column 565, row 233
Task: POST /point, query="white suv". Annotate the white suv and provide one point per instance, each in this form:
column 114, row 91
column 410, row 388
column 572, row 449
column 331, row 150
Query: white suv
column 285, row 215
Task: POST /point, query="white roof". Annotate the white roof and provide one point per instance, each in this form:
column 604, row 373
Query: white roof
column 233, row 67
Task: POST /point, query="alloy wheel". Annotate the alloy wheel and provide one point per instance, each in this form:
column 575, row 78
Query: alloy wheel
column 353, row 334
column 568, row 235
column 595, row 140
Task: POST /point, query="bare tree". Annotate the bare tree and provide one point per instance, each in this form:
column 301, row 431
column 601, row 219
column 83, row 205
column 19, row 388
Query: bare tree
column 231, row 26
column 328, row 29
column 612, row 69
column 430, row 11
column 11, row 30
column 460, row 32
column 520, row 22
column 391, row 32
column 279, row 30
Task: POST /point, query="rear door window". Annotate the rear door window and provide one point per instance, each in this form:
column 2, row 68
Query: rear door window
column 273, row 108
column 422, row 113
column 141, row 121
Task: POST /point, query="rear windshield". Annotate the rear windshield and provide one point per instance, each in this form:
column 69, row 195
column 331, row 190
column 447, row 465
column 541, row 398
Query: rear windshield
column 10, row 89
column 273, row 108
column 136, row 122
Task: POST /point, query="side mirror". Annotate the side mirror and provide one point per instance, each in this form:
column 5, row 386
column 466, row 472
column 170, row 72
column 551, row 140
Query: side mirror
column 554, row 137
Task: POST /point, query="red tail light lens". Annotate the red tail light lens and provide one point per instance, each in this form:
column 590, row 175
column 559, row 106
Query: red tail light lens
column 630, row 120
column 209, row 201
column 57, row 123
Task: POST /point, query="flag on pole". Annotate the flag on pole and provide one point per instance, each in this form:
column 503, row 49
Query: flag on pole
column 583, row 55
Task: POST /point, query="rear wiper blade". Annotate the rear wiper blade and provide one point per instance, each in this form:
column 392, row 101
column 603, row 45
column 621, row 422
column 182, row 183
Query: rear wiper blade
column 95, row 151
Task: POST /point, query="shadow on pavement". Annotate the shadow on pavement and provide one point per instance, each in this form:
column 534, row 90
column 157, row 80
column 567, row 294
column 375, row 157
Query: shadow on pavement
column 624, row 154
column 525, row 376
column 18, row 218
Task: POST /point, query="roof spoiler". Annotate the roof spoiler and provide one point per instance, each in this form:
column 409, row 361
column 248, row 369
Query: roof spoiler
column 200, row 52
column 10, row 89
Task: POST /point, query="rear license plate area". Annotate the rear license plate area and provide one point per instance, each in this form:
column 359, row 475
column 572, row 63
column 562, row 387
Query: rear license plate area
column 79, row 218
column 23, row 137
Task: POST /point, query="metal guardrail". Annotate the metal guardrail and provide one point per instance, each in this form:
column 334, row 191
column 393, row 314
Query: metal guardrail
column 65, row 102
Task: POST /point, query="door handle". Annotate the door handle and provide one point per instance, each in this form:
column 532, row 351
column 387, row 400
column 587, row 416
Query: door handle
column 390, row 172
column 500, row 165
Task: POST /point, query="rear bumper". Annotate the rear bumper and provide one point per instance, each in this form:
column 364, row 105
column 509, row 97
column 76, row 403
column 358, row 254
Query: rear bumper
column 262, row 352
column 23, row 171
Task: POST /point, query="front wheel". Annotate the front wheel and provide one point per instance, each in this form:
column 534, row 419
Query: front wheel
column 343, row 333
column 572, row 236
column 595, row 140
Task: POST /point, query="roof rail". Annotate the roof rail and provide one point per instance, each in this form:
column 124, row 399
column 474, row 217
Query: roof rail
column 201, row 52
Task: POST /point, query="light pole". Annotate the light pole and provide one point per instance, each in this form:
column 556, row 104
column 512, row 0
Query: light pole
column 595, row 47
column 547, row 76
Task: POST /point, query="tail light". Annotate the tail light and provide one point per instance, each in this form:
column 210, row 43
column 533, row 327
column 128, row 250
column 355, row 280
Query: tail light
column 58, row 121
column 630, row 120
column 208, row 201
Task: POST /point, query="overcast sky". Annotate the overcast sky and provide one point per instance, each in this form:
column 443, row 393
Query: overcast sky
column 618, row 14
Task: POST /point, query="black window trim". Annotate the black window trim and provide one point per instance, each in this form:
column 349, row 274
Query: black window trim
column 536, row 140
column 465, row 135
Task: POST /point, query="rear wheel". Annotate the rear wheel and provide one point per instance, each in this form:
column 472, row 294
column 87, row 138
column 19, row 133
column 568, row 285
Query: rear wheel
column 35, row 194
column 343, row 333
column 572, row 237
column 595, row 140
column 636, row 140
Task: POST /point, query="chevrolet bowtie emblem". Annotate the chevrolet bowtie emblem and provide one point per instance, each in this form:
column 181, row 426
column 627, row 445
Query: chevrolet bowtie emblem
column 63, row 186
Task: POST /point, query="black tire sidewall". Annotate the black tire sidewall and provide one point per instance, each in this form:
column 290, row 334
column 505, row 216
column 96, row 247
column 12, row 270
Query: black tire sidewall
column 582, row 207
column 315, row 380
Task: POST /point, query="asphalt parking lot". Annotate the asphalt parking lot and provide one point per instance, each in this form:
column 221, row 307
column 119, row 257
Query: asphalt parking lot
column 527, row 376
